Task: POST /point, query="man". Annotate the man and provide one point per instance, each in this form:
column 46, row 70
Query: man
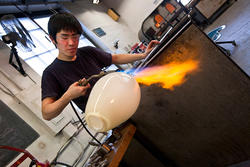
column 60, row 78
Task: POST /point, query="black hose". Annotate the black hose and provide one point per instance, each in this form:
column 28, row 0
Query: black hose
column 84, row 125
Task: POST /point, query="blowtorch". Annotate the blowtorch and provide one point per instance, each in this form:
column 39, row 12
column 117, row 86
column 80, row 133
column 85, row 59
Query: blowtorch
column 101, row 74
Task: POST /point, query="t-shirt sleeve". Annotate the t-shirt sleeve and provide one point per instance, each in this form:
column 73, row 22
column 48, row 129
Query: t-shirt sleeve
column 103, row 58
column 50, row 85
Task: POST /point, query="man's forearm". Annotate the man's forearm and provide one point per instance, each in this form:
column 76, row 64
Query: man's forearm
column 52, row 108
column 127, row 58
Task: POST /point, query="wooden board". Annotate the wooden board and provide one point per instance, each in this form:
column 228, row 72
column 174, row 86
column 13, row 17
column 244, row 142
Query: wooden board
column 121, row 146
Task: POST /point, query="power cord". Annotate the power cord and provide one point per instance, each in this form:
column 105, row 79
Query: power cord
column 100, row 144
column 8, row 92
column 60, row 163
column 54, row 162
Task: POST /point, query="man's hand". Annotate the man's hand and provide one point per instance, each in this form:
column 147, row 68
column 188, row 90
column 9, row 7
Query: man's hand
column 52, row 107
column 75, row 90
column 151, row 46
column 128, row 58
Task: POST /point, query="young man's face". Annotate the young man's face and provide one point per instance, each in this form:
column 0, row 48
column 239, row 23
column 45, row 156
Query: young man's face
column 67, row 44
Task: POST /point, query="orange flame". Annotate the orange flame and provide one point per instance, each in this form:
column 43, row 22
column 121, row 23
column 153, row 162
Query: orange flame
column 168, row 75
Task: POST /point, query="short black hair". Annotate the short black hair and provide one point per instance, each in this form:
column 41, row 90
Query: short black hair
column 63, row 21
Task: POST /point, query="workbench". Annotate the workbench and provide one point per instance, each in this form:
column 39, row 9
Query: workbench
column 203, row 122
column 118, row 146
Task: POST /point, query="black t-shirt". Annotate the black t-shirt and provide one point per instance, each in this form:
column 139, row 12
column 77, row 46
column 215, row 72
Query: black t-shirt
column 59, row 75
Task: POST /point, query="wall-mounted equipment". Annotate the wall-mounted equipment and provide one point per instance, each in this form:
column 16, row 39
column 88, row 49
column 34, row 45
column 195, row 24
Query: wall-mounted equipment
column 162, row 20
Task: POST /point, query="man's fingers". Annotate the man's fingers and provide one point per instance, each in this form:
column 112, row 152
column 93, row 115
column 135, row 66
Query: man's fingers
column 85, row 88
column 153, row 43
column 87, row 85
column 82, row 82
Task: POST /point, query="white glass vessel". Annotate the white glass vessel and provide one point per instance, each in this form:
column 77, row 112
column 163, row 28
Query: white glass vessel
column 113, row 100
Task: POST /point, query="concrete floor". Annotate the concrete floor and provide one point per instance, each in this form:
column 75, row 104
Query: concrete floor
column 237, row 21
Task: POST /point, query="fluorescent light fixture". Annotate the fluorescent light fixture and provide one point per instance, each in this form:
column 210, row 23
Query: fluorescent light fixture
column 185, row 2
column 96, row 1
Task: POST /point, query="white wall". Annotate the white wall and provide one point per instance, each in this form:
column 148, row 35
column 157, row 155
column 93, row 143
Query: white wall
column 132, row 13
